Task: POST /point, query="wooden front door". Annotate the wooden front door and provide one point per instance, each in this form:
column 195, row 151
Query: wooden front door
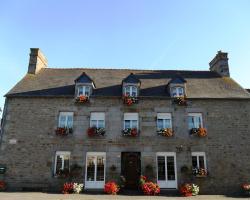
column 131, row 168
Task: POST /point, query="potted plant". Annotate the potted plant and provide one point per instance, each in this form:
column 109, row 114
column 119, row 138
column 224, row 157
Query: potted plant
column 148, row 187
column 246, row 188
column 129, row 100
column 130, row 132
column 93, row 131
column 111, row 188
column 167, row 132
column 63, row 131
column 82, row 99
column 201, row 132
column 200, row 172
column 181, row 101
column 189, row 189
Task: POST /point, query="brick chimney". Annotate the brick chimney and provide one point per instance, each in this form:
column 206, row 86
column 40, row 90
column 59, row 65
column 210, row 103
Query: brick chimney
column 37, row 61
column 220, row 64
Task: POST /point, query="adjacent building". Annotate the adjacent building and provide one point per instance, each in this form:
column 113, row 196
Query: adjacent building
column 94, row 125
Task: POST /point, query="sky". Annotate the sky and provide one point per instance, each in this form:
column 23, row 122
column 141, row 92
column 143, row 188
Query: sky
column 136, row 34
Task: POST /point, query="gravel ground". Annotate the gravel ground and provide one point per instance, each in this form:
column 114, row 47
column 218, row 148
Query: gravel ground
column 42, row 196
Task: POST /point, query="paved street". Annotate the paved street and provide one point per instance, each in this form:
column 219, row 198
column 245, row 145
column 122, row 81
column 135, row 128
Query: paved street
column 42, row 196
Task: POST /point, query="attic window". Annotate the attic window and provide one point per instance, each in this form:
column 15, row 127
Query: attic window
column 83, row 91
column 177, row 92
column 130, row 91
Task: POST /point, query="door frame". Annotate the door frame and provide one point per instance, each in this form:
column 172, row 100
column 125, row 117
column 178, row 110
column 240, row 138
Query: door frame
column 164, row 184
column 95, row 184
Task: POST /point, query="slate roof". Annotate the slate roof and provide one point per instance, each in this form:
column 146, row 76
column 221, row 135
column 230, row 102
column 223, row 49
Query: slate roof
column 60, row 82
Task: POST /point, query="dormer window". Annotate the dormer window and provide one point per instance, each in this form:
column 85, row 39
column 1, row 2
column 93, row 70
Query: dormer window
column 83, row 91
column 130, row 91
column 177, row 92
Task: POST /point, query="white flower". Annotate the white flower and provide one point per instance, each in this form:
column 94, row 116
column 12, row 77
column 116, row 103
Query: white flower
column 195, row 189
column 78, row 187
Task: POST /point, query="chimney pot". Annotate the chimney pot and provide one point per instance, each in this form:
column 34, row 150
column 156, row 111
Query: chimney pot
column 37, row 61
column 219, row 64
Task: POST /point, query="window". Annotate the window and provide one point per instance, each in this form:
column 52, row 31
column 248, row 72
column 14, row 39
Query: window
column 65, row 120
column 177, row 91
column 83, row 90
column 130, row 90
column 95, row 170
column 195, row 120
column 130, row 120
column 97, row 119
column 164, row 121
column 62, row 162
column 199, row 160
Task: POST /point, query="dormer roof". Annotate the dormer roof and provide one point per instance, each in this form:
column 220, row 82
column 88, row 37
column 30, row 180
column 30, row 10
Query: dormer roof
column 131, row 78
column 84, row 78
column 177, row 80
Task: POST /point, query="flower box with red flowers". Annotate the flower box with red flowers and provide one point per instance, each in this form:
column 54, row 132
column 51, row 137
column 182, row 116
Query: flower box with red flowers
column 181, row 101
column 129, row 100
column 133, row 132
column 200, row 172
column 93, row 131
column 166, row 132
column 2, row 186
column 82, row 99
column 63, row 131
column 201, row 132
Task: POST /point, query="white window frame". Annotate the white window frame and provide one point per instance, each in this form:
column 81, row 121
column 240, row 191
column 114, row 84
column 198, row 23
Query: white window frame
column 95, row 184
column 195, row 115
column 67, row 115
column 130, row 117
column 164, row 116
column 197, row 154
column 167, row 183
column 130, row 88
column 83, row 87
column 175, row 89
column 61, row 153
column 97, row 116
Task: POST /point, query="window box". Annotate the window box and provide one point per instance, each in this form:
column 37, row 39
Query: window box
column 167, row 132
column 201, row 132
column 63, row 131
column 129, row 100
column 82, row 99
column 133, row 132
column 181, row 101
column 94, row 131
column 200, row 172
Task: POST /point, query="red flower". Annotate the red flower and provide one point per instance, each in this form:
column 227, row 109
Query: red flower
column 186, row 190
column 2, row 185
column 133, row 132
column 68, row 188
column 111, row 188
column 91, row 131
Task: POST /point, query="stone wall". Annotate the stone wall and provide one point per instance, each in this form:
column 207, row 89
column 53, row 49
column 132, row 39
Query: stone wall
column 29, row 142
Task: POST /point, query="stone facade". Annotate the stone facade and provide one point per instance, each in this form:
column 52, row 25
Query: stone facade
column 29, row 142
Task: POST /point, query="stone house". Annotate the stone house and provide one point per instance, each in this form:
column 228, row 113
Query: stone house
column 94, row 125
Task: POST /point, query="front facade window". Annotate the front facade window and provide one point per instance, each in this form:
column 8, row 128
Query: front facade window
column 83, row 91
column 195, row 120
column 177, row 92
column 130, row 90
column 166, row 169
column 97, row 119
column 95, row 169
column 164, row 121
column 65, row 120
column 199, row 164
column 131, row 120
column 62, row 163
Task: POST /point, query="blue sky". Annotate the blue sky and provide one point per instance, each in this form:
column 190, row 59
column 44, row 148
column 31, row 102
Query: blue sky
column 149, row 34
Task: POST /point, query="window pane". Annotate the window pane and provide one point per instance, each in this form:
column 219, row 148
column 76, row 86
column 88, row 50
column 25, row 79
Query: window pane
column 160, row 123
column 93, row 123
column 127, row 124
column 161, row 168
column 134, row 91
column 100, row 123
column 127, row 90
column 167, row 123
column 62, row 121
column 134, row 123
column 66, row 163
column 174, row 92
column 170, row 168
column 100, row 168
column 180, row 91
column 190, row 122
column 91, row 168
column 58, row 163
column 197, row 122
column 201, row 162
column 80, row 90
column 87, row 90
column 194, row 162
column 70, row 121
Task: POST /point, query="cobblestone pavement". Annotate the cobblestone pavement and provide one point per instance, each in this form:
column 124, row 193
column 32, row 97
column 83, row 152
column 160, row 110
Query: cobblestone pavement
column 45, row 196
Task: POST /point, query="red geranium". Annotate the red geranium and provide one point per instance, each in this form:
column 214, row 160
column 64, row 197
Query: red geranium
column 68, row 188
column 111, row 188
column 91, row 131
column 2, row 185
column 186, row 190
column 134, row 132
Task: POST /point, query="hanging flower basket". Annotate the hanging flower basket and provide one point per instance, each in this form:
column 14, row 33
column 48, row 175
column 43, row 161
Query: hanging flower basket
column 93, row 131
column 189, row 189
column 63, row 131
column 200, row 172
column 201, row 132
column 181, row 101
column 130, row 132
column 167, row 132
column 129, row 100
column 82, row 99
